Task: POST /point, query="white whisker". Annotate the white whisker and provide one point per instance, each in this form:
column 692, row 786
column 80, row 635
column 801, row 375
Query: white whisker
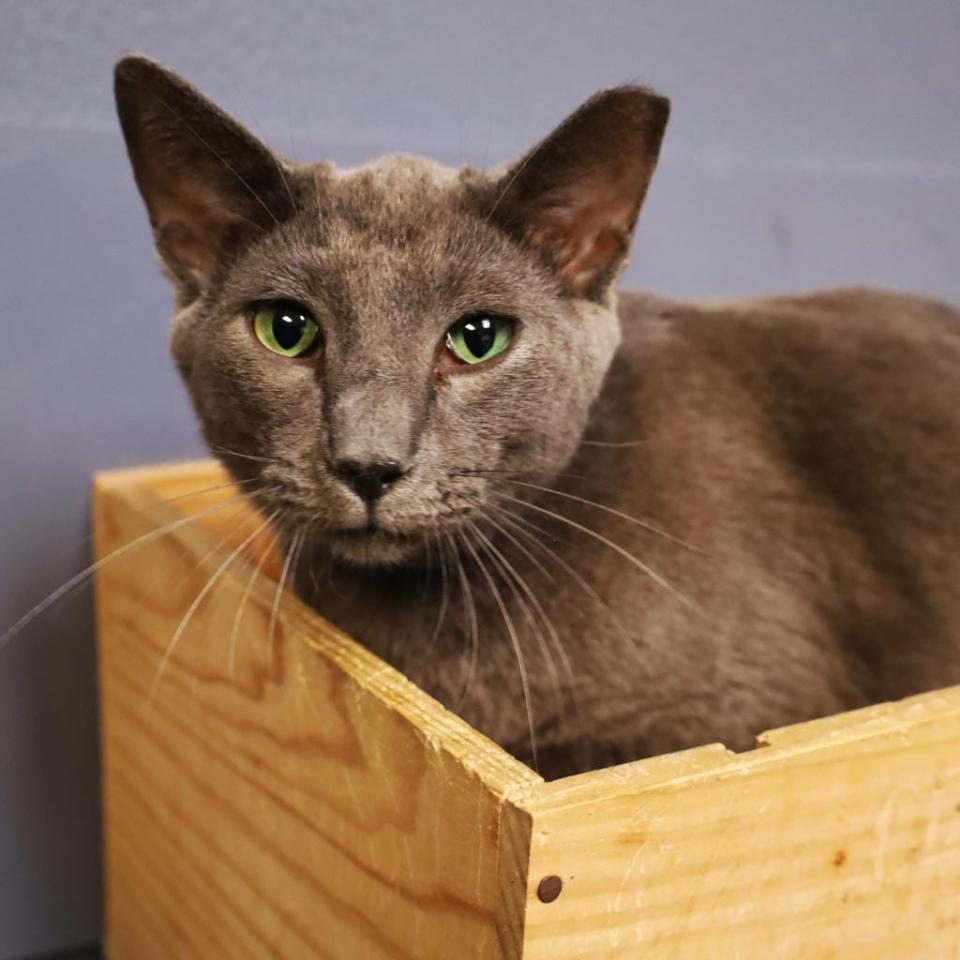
column 518, row 524
column 244, row 456
column 248, row 589
column 612, row 545
column 75, row 581
column 165, row 501
column 467, row 593
column 512, row 574
column 441, row 553
column 643, row 524
column 188, row 616
column 515, row 640
column 298, row 539
column 612, row 446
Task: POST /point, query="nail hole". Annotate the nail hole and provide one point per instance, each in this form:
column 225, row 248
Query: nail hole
column 549, row 889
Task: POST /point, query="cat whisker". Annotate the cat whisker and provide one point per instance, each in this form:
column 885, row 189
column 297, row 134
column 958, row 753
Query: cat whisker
column 524, row 527
column 510, row 577
column 192, row 609
column 248, row 589
column 213, row 551
column 295, row 544
column 425, row 578
column 612, row 545
column 509, row 571
column 515, row 641
column 643, row 524
column 229, row 535
column 78, row 579
column 441, row 553
column 304, row 537
column 496, row 472
column 467, row 593
column 246, row 456
column 165, row 501
column 530, row 525
column 506, row 517
column 613, row 446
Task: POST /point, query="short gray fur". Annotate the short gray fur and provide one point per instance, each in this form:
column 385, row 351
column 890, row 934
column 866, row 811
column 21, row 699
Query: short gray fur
column 809, row 146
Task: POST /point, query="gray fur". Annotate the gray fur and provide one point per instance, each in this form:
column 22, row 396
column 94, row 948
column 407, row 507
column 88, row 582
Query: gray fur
column 792, row 460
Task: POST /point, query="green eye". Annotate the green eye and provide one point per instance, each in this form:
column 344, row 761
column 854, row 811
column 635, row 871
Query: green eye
column 286, row 328
column 478, row 337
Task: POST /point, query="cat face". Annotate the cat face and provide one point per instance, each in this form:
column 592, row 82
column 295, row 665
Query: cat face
column 371, row 350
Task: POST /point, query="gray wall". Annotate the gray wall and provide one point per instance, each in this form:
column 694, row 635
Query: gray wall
column 812, row 143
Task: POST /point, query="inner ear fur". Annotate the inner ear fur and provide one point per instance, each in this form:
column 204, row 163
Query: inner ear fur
column 208, row 184
column 575, row 197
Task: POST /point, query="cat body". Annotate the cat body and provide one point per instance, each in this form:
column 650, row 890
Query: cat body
column 596, row 526
column 803, row 449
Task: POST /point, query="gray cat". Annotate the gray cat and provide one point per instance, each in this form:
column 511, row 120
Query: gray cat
column 596, row 525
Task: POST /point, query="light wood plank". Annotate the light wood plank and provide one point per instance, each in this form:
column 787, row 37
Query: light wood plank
column 838, row 838
column 315, row 803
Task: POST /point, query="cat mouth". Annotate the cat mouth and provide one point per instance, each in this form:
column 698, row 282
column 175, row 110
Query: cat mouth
column 372, row 545
column 372, row 531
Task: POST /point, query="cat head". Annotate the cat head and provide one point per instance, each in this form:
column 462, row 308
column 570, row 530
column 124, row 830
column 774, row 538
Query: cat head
column 370, row 350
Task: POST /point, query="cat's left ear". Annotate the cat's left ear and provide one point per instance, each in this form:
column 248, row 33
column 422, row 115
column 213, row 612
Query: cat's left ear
column 575, row 197
column 210, row 186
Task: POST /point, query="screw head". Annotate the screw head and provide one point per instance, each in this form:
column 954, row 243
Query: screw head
column 549, row 889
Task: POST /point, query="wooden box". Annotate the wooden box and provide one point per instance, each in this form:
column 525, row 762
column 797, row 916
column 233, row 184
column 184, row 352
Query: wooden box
column 274, row 790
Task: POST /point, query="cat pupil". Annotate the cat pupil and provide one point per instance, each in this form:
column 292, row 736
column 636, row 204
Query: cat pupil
column 479, row 335
column 288, row 330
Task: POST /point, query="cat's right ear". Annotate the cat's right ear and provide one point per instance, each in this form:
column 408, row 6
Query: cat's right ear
column 209, row 185
column 574, row 198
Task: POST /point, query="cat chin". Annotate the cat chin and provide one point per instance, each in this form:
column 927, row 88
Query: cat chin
column 376, row 550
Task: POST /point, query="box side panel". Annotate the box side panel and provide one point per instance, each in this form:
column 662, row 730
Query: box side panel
column 271, row 789
column 839, row 838
column 513, row 866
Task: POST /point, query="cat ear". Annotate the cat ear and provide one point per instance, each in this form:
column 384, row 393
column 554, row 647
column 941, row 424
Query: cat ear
column 209, row 185
column 575, row 197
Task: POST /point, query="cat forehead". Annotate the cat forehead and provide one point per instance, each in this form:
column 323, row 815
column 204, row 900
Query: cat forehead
column 399, row 206
column 401, row 172
column 396, row 191
column 400, row 226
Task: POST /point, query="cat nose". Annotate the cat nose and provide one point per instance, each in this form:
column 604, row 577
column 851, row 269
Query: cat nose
column 369, row 480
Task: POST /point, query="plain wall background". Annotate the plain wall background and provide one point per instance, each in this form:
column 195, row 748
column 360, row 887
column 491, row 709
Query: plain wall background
column 811, row 144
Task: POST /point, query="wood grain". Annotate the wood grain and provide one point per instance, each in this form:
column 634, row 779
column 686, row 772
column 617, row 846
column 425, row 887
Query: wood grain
column 314, row 803
column 837, row 838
